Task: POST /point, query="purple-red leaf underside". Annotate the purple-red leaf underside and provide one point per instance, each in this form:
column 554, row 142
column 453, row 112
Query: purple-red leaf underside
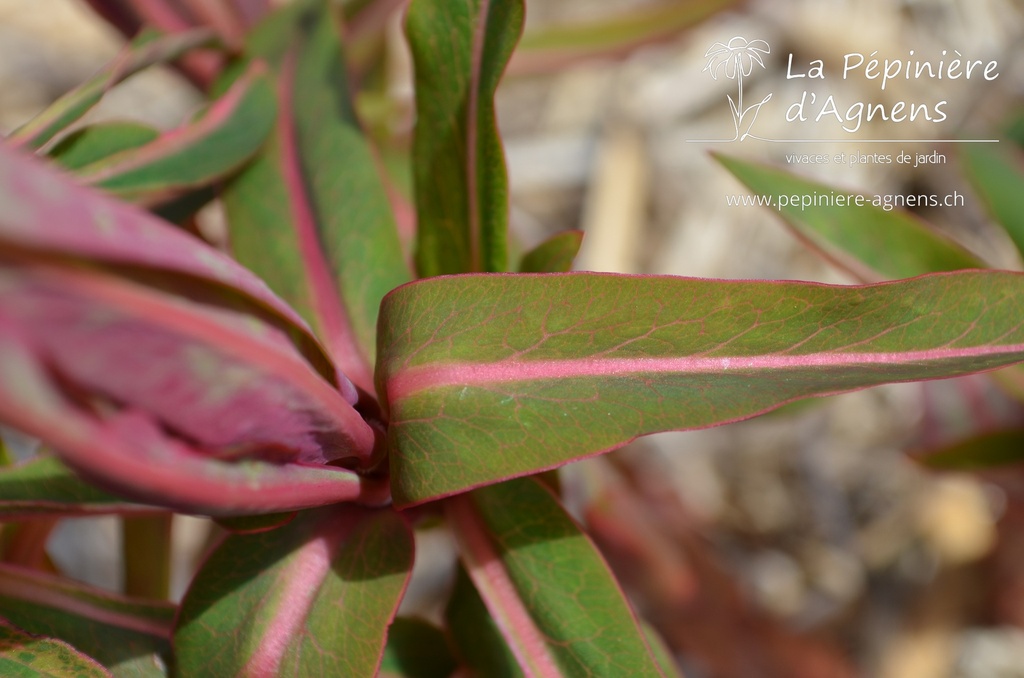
column 43, row 212
column 492, row 377
column 109, row 373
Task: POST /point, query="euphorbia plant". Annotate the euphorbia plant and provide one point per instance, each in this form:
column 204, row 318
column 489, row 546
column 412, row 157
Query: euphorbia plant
column 308, row 391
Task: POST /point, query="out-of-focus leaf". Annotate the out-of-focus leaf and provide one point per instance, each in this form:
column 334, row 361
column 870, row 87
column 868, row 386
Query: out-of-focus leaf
column 547, row 587
column 492, row 376
column 45, row 486
column 44, row 214
column 26, row 656
column 996, row 171
column 156, row 364
column 416, row 649
column 553, row 47
column 478, row 643
column 256, row 524
column 554, row 255
column 988, row 450
column 313, row 598
column 147, row 50
column 197, row 154
column 131, row 638
column 661, row 652
column 96, row 142
column 311, row 214
column 460, row 50
column 865, row 240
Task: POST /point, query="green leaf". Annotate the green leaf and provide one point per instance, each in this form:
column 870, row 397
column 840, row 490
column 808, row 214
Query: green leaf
column 546, row 585
column 554, row 255
column 996, row 171
column 311, row 215
column 866, row 240
column 96, row 142
column 490, row 377
column 416, row 649
column 45, row 486
column 555, row 46
column 130, row 637
column 216, row 144
column 988, row 450
column 313, row 598
column 26, row 656
column 460, row 50
column 478, row 642
column 145, row 51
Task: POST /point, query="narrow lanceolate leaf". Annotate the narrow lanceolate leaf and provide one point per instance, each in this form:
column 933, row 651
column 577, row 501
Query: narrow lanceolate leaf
column 46, row 487
column 96, row 142
column 997, row 174
column 43, row 213
column 26, row 656
column 144, row 52
column 491, row 377
column 258, row 421
column 554, row 255
column 198, row 154
column 552, row 47
column 460, row 50
column 868, row 240
column 313, row 598
column 311, row 215
column 988, row 450
column 129, row 637
column 552, row 595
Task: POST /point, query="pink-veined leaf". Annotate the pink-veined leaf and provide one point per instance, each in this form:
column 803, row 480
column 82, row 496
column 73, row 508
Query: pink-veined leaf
column 43, row 213
column 145, row 51
column 104, row 370
column 552, row 47
column 460, row 50
column 313, row 598
column 311, row 214
column 476, row 640
column 218, row 143
column 131, row 638
column 546, row 585
column 868, row 241
column 489, row 377
column 26, row 656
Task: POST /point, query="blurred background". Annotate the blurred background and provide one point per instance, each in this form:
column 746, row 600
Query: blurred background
column 804, row 543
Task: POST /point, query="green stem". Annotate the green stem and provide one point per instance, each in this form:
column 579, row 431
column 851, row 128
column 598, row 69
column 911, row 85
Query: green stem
column 147, row 556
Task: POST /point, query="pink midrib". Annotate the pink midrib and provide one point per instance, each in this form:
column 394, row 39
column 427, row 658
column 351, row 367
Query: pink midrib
column 409, row 382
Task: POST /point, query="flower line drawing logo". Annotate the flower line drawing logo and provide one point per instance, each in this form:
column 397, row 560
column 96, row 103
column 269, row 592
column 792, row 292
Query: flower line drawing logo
column 736, row 59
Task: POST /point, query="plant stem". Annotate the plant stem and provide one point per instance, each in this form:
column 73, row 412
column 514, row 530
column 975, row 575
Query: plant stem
column 147, row 556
